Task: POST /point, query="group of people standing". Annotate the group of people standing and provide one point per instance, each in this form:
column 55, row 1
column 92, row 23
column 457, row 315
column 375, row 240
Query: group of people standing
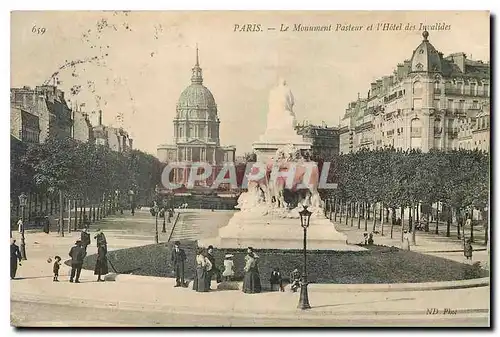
column 206, row 269
column 78, row 253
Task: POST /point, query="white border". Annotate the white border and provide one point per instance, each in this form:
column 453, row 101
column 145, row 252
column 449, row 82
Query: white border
column 191, row 5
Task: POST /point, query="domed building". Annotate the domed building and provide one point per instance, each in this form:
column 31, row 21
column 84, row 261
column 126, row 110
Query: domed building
column 196, row 128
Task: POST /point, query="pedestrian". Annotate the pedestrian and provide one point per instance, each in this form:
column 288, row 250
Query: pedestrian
column 406, row 241
column 295, row 280
column 201, row 281
column 77, row 254
column 365, row 238
column 251, row 281
column 101, row 264
column 85, row 238
column 55, row 268
column 170, row 215
column 100, row 239
column 468, row 250
column 15, row 258
column 214, row 271
column 20, row 225
column 276, row 280
column 370, row 239
column 228, row 272
column 178, row 258
column 46, row 224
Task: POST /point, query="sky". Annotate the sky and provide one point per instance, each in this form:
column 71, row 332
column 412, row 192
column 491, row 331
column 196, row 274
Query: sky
column 141, row 61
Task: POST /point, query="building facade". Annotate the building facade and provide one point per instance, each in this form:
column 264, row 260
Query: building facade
column 196, row 128
column 430, row 101
column 324, row 139
column 48, row 103
column 81, row 128
column 117, row 139
column 24, row 126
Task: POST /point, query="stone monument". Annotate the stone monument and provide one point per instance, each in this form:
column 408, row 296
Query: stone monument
column 269, row 210
column 280, row 128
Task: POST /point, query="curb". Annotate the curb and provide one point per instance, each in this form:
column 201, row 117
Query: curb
column 335, row 288
column 449, row 251
column 313, row 313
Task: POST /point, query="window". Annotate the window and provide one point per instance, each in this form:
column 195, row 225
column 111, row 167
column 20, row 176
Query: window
column 416, row 128
column 417, row 88
column 450, row 104
column 461, row 105
column 472, row 87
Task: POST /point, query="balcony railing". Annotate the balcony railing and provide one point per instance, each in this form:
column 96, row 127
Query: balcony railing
column 458, row 92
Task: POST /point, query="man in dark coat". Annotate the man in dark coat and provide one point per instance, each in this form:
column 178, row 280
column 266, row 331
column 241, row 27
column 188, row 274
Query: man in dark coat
column 85, row 238
column 178, row 258
column 15, row 258
column 77, row 254
column 214, row 271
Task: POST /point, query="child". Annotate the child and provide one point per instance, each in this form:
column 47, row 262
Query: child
column 295, row 280
column 57, row 263
column 228, row 272
column 468, row 250
column 370, row 239
column 276, row 280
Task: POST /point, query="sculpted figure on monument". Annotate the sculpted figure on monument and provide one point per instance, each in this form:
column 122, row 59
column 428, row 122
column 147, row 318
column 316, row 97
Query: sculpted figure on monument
column 280, row 116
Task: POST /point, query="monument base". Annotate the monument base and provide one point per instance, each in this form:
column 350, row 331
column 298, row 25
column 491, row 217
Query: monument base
column 265, row 149
column 247, row 230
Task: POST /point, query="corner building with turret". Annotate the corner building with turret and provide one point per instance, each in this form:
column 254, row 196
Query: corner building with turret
column 430, row 101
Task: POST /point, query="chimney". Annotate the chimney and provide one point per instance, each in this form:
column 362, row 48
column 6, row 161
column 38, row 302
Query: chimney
column 459, row 60
column 100, row 117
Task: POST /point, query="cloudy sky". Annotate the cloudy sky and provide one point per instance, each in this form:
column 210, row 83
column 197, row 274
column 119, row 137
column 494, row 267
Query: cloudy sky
column 143, row 60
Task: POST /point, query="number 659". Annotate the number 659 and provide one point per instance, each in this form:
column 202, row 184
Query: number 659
column 38, row 30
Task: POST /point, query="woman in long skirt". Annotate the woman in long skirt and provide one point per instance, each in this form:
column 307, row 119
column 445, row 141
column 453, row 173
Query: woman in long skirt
column 406, row 241
column 200, row 279
column 101, row 265
column 251, row 281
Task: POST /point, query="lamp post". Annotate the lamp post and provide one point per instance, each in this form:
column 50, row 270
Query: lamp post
column 22, row 202
column 157, row 209
column 305, row 216
column 131, row 196
column 164, row 228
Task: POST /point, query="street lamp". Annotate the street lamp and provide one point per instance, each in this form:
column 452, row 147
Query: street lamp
column 305, row 216
column 164, row 228
column 131, row 196
column 22, row 202
column 157, row 209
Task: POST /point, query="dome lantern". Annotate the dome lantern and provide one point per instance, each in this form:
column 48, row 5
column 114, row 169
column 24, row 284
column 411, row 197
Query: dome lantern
column 197, row 77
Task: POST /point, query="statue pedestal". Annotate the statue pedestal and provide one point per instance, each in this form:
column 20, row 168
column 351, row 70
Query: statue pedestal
column 265, row 148
column 252, row 229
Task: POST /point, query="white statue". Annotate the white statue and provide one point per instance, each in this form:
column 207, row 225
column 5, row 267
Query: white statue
column 280, row 116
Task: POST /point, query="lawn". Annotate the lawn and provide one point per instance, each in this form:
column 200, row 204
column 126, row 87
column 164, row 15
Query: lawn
column 378, row 264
